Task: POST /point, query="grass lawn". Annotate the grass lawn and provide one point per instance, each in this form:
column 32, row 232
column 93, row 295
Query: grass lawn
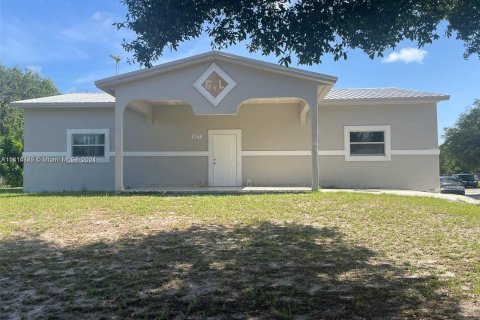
column 304, row 256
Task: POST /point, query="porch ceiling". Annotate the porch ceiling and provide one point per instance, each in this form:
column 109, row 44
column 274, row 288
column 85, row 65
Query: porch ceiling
column 145, row 107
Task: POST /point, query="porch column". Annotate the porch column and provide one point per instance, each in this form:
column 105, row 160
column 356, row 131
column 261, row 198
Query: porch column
column 119, row 110
column 314, row 119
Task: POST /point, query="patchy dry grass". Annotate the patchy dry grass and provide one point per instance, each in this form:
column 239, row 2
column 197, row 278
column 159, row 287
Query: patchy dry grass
column 338, row 255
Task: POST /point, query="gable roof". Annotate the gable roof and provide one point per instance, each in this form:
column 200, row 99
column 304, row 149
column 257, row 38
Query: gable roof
column 108, row 84
column 356, row 95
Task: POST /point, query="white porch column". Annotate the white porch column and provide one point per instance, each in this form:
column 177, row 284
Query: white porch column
column 119, row 111
column 314, row 119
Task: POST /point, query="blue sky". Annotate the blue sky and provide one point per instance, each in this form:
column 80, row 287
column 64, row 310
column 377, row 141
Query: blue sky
column 69, row 41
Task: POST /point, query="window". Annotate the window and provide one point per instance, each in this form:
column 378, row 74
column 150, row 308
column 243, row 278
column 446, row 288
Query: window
column 367, row 143
column 88, row 143
column 363, row 143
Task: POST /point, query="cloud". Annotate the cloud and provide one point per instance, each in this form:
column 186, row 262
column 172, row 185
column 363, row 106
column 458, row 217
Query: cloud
column 35, row 69
column 70, row 90
column 38, row 42
column 98, row 15
column 406, row 55
column 98, row 29
column 26, row 43
column 91, row 76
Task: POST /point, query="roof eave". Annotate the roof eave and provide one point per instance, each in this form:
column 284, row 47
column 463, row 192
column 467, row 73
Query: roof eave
column 27, row 105
column 422, row 100
column 268, row 66
column 108, row 84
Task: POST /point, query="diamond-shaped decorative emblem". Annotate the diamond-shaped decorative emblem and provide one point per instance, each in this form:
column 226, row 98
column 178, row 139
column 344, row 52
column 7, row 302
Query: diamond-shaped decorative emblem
column 214, row 84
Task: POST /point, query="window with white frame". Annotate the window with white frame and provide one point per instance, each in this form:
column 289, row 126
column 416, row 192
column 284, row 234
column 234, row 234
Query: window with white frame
column 88, row 143
column 367, row 143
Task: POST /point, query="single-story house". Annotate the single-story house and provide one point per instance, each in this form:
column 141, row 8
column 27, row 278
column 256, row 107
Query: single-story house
column 222, row 120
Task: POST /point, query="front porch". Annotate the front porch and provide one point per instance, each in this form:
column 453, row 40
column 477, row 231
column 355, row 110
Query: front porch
column 218, row 190
column 217, row 120
column 265, row 145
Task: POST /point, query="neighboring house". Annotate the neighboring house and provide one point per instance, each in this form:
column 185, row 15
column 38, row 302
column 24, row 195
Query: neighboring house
column 218, row 119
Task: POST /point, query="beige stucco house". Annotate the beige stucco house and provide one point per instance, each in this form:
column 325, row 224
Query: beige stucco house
column 221, row 120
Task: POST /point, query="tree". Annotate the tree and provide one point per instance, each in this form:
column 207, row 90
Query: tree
column 461, row 149
column 308, row 29
column 449, row 165
column 16, row 84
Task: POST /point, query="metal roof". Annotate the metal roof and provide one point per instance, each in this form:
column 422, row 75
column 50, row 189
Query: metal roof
column 76, row 99
column 356, row 94
column 334, row 96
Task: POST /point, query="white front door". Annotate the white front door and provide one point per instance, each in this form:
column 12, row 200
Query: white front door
column 224, row 158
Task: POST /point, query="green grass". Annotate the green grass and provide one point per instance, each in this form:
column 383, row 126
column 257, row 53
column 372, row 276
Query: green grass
column 318, row 255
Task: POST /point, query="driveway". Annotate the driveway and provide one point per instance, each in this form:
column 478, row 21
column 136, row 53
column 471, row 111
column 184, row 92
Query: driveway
column 473, row 193
column 472, row 196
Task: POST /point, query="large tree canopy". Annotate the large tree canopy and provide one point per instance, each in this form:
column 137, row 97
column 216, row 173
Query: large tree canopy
column 16, row 84
column 461, row 149
column 307, row 29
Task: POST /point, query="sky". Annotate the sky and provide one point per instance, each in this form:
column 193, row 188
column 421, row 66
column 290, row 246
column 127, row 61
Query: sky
column 69, row 41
